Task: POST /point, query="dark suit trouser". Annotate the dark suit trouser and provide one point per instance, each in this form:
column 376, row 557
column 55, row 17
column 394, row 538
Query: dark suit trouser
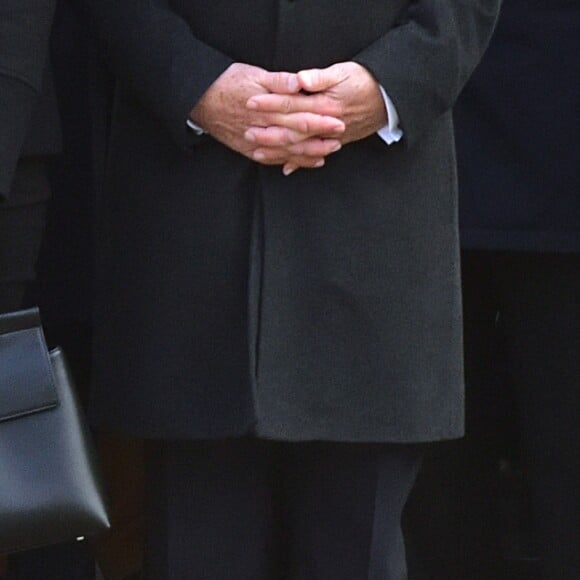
column 522, row 354
column 248, row 509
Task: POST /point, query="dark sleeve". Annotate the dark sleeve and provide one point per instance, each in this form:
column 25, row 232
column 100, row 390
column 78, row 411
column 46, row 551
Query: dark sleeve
column 424, row 62
column 154, row 53
column 24, row 35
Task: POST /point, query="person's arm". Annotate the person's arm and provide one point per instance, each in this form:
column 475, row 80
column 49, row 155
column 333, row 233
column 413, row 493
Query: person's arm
column 155, row 54
column 422, row 63
column 426, row 60
column 24, row 34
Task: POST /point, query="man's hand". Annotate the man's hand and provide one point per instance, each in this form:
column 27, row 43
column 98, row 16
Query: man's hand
column 346, row 91
column 302, row 138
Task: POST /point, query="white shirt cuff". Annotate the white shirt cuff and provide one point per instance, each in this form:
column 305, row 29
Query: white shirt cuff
column 390, row 133
column 195, row 128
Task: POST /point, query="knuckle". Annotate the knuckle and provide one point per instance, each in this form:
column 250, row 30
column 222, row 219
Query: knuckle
column 265, row 137
column 279, row 82
column 310, row 148
column 336, row 108
column 296, row 149
column 279, row 136
column 293, row 136
column 302, row 124
column 299, row 162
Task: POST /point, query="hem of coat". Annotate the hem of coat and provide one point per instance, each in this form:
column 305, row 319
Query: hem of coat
column 520, row 241
column 273, row 432
column 342, row 435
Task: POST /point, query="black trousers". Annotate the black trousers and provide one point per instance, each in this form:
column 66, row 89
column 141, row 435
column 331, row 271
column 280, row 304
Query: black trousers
column 249, row 509
column 522, row 359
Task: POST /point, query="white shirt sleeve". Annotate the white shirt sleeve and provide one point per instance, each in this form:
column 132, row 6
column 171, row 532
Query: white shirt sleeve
column 390, row 133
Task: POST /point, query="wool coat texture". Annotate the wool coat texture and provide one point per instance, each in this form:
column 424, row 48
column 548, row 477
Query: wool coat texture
column 233, row 300
column 29, row 124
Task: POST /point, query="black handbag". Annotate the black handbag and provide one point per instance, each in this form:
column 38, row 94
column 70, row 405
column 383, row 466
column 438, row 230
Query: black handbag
column 50, row 490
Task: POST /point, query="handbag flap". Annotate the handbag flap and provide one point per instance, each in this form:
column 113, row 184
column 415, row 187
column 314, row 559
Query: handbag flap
column 27, row 383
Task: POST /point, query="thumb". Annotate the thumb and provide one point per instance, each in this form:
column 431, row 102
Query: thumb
column 316, row 80
column 283, row 83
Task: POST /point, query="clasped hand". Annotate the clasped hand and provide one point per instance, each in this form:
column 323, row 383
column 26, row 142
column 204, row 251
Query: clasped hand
column 288, row 119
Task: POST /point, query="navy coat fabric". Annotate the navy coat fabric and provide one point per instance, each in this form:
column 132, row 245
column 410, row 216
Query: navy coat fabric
column 28, row 109
column 233, row 300
column 517, row 126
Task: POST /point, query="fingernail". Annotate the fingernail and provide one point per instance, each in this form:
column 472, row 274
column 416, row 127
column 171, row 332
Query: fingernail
column 306, row 78
column 293, row 84
column 288, row 171
column 336, row 148
column 249, row 136
column 251, row 104
column 319, row 163
column 259, row 156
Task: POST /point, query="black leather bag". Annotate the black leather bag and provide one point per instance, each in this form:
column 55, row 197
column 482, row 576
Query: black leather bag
column 50, row 490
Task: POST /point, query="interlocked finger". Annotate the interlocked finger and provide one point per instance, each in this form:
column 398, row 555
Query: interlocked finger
column 315, row 147
column 320, row 104
column 274, row 156
column 279, row 130
column 274, row 136
column 312, row 148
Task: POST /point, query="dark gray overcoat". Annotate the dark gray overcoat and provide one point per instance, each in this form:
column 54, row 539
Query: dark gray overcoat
column 234, row 300
column 28, row 110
